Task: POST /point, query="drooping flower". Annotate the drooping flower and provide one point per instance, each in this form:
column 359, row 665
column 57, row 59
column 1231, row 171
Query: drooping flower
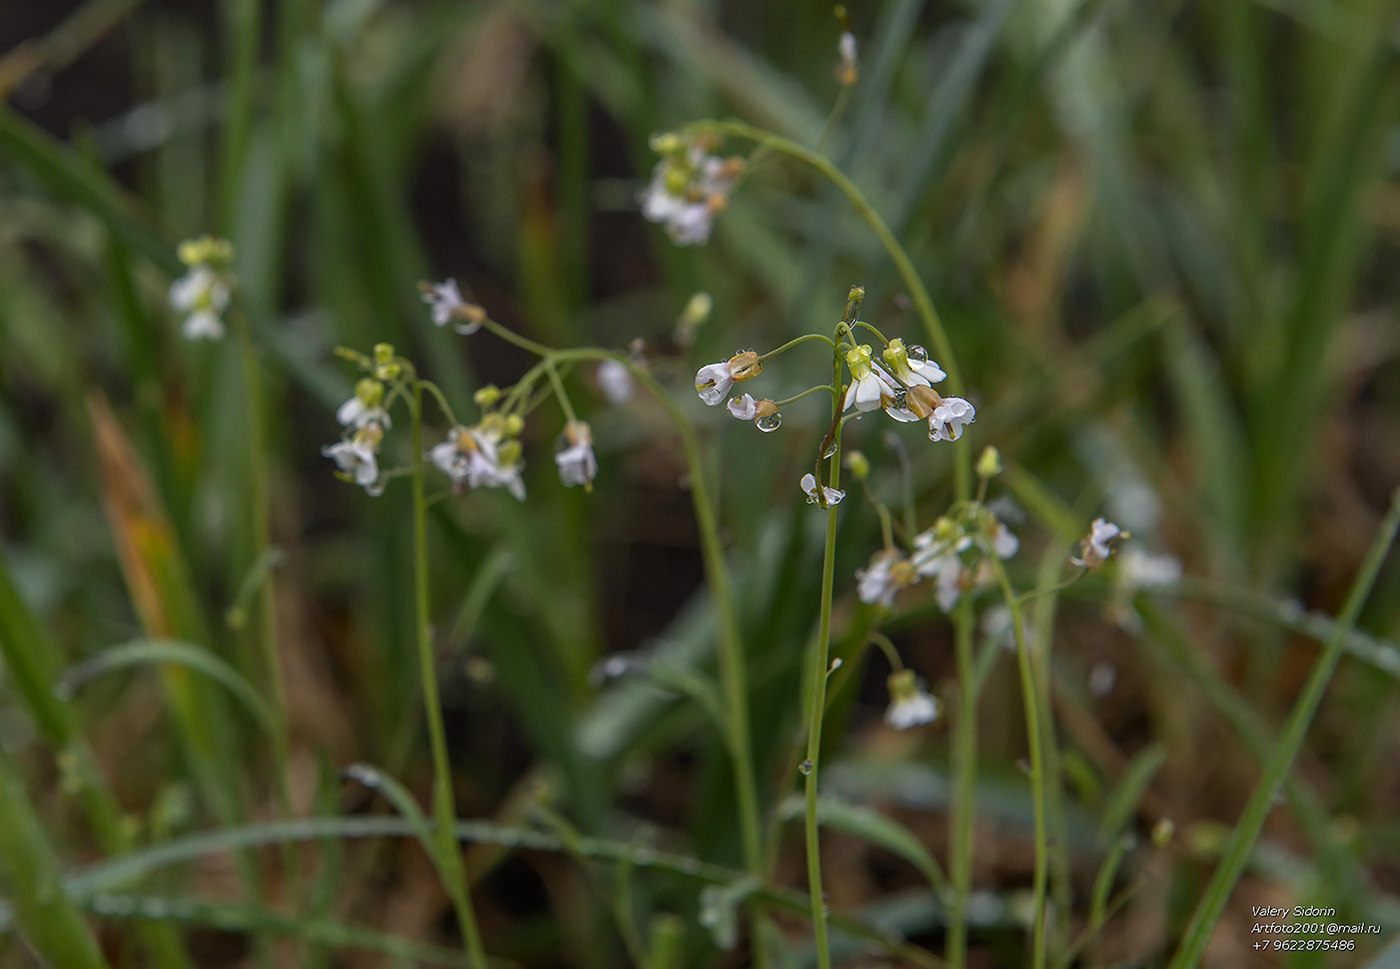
column 365, row 407
column 1004, row 544
column 355, row 458
column 480, row 457
column 577, row 465
column 828, row 495
column 1094, row 550
column 448, row 306
column 743, row 407
column 868, row 388
column 615, row 381
column 688, row 188
column 848, row 71
column 714, row 380
column 888, row 572
column 202, row 294
column 948, row 418
column 910, row 704
column 911, row 365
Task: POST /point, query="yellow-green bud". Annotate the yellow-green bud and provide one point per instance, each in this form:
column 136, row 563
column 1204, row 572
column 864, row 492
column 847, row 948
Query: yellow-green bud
column 383, row 353
column 858, row 464
column 665, row 143
column 945, row 529
column 370, row 392
column 989, row 464
column 903, row 686
column 697, row 309
column 514, row 425
column 858, row 360
column 487, row 396
column 856, row 295
column 1162, row 832
column 509, row 453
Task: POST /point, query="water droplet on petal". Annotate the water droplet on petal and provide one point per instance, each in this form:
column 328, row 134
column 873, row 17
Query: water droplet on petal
column 769, row 423
column 901, row 400
column 917, row 353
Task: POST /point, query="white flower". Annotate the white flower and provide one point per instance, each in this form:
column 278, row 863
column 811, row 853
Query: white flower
column 947, row 420
column 477, row 456
column 202, row 294
column 687, row 189
column 1004, row 543
column 615, row 381
column 1101, row 679
column 947, row 570
column 366, row 407
column 911, row 365
column 744, row 407
column 355, row 457
column 887, row 573
column 577, row 465
column 829, row 496
column 868, row 389
column 712, row 382
column 1095, row 550
column 910, row 704
column 1138, row 570
column 448, row 305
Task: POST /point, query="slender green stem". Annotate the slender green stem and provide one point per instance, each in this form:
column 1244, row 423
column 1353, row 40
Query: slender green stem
column 444, row 808
column 259, row 493
column 820, row 664
column 510, row 336
column 558, row 386
column 873, row 329
column 923, row 303
column 1246, row 832
column 1030, row 697
column 887, row 647
column 441, row 399
column 806, row 393
column 805, row 338
column 733, row 672
column 960, row 834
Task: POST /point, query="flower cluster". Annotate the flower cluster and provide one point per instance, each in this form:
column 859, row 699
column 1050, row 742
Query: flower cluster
column 903, row 388
column 486, row 455
column 952, row 553
column 365, row 418
column 202, row 294
column 688, row 188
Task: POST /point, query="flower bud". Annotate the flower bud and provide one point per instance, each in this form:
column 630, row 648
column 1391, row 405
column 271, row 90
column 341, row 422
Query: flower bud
column 487, row 396
column 745, row 365
column 383, row 353
column 858, row 464
column 514, row 425
column 370, row 392
column 989, row 464
column 1162, row 832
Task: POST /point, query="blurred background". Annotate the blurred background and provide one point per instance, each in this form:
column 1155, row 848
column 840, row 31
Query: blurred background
column 1163, row 238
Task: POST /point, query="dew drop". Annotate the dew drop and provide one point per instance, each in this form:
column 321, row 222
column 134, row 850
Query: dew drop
column 917, row 353
column 804, row 768
column 831, row 449
column 901, row 400
column 769, row 423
